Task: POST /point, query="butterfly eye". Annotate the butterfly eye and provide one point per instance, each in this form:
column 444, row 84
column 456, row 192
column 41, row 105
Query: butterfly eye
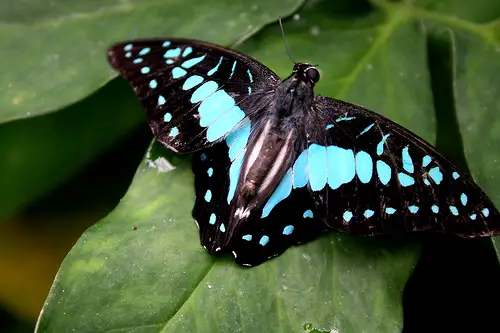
column 312, row 74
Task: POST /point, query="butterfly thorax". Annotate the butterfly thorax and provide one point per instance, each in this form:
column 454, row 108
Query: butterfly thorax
column 272, row 148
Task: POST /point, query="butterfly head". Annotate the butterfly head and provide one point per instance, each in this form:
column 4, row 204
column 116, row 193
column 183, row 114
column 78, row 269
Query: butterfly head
column 306, row 72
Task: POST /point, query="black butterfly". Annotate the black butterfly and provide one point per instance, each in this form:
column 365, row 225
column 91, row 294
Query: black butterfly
column 276, row 166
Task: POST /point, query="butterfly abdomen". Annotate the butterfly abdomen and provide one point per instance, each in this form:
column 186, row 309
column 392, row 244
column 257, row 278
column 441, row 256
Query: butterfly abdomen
column 269, row 155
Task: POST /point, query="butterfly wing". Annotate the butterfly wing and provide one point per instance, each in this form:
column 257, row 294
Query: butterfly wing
column 194, row 93
column 268, row 231
column 370, row 176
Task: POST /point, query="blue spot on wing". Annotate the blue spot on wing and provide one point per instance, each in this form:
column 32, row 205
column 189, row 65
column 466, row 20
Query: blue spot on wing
column 317, row 167
column 282, row 192
column 390, row 210
column 347, row 216
column 144, row 51
column 405, row 180
column 368, row 213
column 205, row 90
column 383, row 172
column 192, row 82
column 172, row 53
column 232, row 69
column 161, row 100
column 407, row 161
column 344, row 118
column 174, row 131
column 187, row 51
column 218, row 110
column 413, row 209
column 250, row 75
column 426, row 160
column 364, row 166
column 367, row 129
column 300, row 170
column 234, row 174
column 308, row 213
column 213, row 70
column 463, row 199
column 341, row 166
column 486, row 212
column 178, row 72
column 208, row 196
column 380, row 145
column 214, row 106
column 436, row 175
column 191, row 62
column 225, row 123
column 288, row 230
column 264, row 240
column 236, row 142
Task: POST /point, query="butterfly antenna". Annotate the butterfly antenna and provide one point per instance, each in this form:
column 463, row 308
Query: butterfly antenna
column 284, row 41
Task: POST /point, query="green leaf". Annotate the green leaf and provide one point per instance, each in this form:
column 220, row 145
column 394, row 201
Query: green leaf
column 41, row 153
column 38, row 154
column 142, row 269
column 54, row 53
column 158, row 278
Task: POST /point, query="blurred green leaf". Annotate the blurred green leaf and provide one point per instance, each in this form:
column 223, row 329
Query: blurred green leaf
column 38, row 154
column 54, row 52
column 157, row 277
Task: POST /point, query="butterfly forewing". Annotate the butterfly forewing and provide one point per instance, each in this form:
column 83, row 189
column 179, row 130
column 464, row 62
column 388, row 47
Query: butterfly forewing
column 194, row 93
column 369, row 176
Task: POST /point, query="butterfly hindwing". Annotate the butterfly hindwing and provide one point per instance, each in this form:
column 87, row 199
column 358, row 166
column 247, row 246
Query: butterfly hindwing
column 194, row 93
column 369, row 176
column 269, row 230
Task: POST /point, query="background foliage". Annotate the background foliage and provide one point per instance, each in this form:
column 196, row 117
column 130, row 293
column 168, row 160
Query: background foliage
column 72, row 138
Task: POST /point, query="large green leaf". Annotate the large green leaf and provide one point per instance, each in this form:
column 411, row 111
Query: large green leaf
column 40, row 153
column 141, row 269
column 53, row 53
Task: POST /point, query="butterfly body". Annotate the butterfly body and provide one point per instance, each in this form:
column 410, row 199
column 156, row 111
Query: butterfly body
column 277, row 166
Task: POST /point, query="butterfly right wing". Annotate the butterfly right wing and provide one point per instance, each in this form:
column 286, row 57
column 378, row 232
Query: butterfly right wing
column 369, row 175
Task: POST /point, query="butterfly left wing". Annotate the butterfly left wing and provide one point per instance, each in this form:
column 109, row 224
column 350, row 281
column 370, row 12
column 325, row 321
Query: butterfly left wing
column 194, row 93
column 268, row 231
column 369, row 175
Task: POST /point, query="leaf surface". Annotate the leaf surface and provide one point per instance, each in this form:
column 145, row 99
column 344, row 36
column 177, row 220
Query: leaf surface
column 158, row 279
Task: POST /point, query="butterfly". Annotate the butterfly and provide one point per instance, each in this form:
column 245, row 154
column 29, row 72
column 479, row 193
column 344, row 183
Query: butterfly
column 276, row 165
